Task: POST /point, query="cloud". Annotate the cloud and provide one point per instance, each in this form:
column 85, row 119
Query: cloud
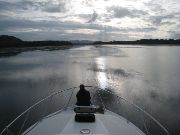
column 175, row 34
column 69, row 19
column 120, row 12
column 52, row 24
column 93, row 18
column 53, row 29
column 168, row 6
column 63, row 30
column 21, row 5
column 46, row 6
column 154, row 7
column 158, row 20
column 60, row 7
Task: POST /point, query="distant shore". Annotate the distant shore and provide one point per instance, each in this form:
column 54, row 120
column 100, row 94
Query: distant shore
column 148, row 42
column 11, row 46
column 11, row 41
column 12, row 51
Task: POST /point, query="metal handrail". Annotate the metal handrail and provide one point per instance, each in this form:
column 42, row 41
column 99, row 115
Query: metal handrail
column 36, row 104
column 136, row 106
column 72, row 88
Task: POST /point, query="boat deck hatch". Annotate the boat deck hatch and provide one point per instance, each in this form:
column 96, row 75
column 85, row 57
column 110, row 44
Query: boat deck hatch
column 85, row 131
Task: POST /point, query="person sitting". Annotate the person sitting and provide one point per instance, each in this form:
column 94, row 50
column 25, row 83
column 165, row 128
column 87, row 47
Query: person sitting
column 83, row 97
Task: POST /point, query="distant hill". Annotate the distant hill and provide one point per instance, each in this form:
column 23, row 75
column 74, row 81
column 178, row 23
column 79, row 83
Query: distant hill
column 7, row 38
column 11, row 41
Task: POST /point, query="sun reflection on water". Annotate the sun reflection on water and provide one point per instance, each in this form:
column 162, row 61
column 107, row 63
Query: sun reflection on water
column 101, row 74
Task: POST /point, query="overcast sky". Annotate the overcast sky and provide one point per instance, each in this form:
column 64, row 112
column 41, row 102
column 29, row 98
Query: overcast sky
column 90, row 19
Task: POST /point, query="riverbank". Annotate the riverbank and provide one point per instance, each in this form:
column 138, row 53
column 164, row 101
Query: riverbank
column 12, row 51
column 11, row 42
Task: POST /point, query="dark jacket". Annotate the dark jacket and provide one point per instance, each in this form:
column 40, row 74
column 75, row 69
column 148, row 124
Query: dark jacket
column 83, row 98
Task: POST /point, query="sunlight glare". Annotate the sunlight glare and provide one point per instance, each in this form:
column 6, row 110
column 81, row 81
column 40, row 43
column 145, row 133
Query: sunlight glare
column 101, row 75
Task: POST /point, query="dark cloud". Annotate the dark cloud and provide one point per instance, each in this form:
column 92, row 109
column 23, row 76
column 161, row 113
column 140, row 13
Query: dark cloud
column 175, row 34
column 93, row 18
column 51, row 7
column 47, row 29
column 168, row 23
column 158, row 20
column 120, row 12
column 163, row 16
column 146, row 29
column 17, row 23
column 46, row 6
column 22, row 5
column 7, row 22
column 55, row 29
column 154, row 7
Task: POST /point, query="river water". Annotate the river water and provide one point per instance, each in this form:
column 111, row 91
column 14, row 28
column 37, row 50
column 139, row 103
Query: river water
column 146, row 75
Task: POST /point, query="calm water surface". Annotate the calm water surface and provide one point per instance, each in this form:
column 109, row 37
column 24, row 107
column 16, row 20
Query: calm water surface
column 148, row 76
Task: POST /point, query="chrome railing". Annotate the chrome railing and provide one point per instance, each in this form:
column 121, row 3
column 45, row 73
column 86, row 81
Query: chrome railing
column 132, row 113
column 55, row 102
column 58, row 101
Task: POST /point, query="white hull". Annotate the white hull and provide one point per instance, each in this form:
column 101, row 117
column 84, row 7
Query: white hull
column 63, row 123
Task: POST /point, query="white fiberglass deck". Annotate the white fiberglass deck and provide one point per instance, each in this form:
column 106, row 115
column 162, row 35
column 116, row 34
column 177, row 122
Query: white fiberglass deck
column 64, row 124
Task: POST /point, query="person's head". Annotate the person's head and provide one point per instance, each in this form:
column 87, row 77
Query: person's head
column 81, row 87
